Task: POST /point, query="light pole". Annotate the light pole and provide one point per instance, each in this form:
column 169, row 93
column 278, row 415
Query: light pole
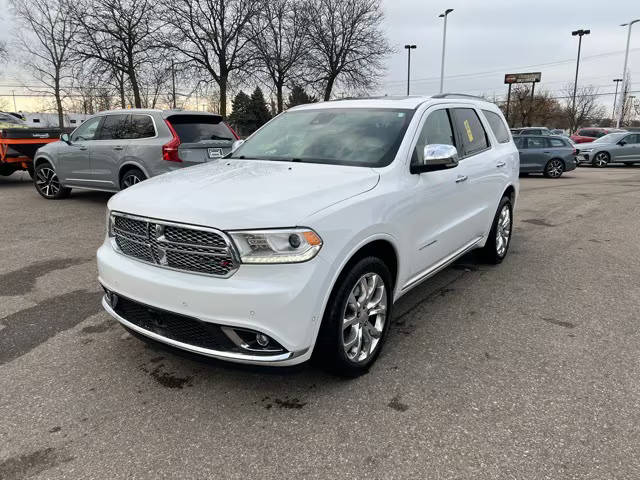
column 624, row 71
column 580, row 33
column 409, row 48
column 615, row 97
column 444, row 41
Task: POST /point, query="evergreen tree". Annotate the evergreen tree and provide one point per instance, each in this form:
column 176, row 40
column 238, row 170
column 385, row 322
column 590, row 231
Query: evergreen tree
column 298, row 96
column 259, row 109
column 241, row 117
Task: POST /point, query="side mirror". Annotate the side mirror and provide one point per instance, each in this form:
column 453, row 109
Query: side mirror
column 65, row 138
column 436, row 157
column 622, row 143
column 236, row 145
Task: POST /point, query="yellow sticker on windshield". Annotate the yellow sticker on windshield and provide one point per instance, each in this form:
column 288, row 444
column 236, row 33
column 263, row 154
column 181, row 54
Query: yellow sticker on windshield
column 468, row 128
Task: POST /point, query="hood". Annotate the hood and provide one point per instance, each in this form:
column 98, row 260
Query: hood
column 242, row 194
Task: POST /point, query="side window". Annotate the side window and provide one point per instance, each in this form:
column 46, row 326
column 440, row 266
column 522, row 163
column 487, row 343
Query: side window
column 497, row 126
column 86, row 131
column 556, row 142
column 537, row 142
column 436, row 129
column 633, row 138
column 114, row 127
column 470, row 130
column 140, row 126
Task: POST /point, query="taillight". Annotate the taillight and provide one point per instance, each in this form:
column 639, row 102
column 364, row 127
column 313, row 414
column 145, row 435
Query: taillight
column 170, row 150
column 232, row 131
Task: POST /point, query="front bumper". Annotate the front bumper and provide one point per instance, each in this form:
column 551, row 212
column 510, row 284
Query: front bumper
column 284, row 302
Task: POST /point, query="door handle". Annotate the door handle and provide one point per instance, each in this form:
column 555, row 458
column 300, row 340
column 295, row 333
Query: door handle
column 500, row 164
column 118, row 147
column 461, row 178
column 546, row 152
column 83, row 148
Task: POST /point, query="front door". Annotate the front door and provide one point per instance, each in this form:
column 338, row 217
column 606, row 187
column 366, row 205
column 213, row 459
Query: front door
column 74, row 160
column 439, row 201
column 630, row 151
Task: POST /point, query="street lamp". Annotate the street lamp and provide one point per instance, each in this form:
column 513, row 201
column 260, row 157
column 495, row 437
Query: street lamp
column 626, row 59
column 615, row 97
column 580, row 34
column 409, row 48
column 444, row 40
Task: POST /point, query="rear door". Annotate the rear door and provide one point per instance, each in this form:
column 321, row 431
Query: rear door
column 482, row 170
column 203, row 138
column 109, row 149
column 74, row 161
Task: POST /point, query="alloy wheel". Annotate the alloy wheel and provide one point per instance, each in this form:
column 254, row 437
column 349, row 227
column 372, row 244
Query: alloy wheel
column 131, row 179
column 47, row 182
column 555, row 168
column 503, row 231
column 601, row 159
column 364, row 317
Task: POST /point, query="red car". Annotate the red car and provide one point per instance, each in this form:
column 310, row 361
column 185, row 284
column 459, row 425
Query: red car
column 586, row 135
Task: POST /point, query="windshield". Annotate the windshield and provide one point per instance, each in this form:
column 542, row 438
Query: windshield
column 6, row 118
column 610, row 138
column 363, row 137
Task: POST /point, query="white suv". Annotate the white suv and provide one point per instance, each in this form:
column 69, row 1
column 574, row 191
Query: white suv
column 301, row 240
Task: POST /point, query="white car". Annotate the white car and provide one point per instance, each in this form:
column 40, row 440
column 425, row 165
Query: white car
column 301, row 240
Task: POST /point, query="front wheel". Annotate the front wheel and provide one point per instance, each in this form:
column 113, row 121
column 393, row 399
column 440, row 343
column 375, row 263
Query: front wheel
column 554, row 168
column 601, row 160
column 47, row 183
column 499, row 238
column 356, row 319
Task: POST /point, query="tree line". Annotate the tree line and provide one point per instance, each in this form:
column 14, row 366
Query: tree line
column 99, row 54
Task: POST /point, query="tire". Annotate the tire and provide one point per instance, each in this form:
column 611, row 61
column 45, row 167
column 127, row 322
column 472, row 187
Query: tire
column 130, row 177
column 601, row 160
column 31, row 172
column 366, row 327
column 47, row 184
column 554, row 168
column 495, row 251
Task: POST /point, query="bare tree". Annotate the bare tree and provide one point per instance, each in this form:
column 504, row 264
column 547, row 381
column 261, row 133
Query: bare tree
column 280, row 41
column 120, row 34
column 213, row 35
column 46, row 40
column 347, row 44
column 3, row 52
column 587, row 109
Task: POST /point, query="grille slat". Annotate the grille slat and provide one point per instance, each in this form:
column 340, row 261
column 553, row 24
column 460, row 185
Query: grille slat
column 172, row 246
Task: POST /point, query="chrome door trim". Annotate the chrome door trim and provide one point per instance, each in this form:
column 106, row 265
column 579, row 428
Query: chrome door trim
column 420, row 277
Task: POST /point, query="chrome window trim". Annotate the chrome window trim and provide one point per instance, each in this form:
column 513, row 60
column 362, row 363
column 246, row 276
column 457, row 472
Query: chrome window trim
column 235, row 257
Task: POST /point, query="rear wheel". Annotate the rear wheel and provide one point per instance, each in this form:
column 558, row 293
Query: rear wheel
column 356, row 319
column 601, row 160
column 131, row 177
column 47, row 183
column 554, row 168
column 497, row 246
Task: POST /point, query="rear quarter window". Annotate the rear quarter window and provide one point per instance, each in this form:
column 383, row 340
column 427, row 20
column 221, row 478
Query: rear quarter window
column 498, row 127
column 470, row 130
column 140, row 126
column 198, row 128
column 556, row 142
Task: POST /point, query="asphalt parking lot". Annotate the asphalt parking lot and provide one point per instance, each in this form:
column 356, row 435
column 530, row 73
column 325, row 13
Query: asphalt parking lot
column 525, row 370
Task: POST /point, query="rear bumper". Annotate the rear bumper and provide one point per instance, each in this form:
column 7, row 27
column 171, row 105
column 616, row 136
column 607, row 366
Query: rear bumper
column 284, row 302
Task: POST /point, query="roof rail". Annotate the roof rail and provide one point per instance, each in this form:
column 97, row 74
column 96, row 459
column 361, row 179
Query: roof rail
column 458, row 95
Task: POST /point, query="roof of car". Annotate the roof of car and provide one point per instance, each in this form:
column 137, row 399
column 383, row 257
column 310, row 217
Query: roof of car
column 410, row 102
column 165, row 113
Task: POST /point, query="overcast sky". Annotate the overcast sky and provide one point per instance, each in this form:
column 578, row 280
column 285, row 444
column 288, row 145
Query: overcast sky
column 486, row 39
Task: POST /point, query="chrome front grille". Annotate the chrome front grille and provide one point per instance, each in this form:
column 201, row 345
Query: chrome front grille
column 169, row 245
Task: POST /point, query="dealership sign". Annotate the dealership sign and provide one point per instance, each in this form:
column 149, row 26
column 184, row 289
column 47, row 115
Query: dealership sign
column 533, row 77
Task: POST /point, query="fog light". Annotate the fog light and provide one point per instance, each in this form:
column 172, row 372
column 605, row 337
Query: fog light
column 262, row 340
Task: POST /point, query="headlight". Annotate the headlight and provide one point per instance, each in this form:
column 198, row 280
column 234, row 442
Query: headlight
column 110, row 222
column 277, row 246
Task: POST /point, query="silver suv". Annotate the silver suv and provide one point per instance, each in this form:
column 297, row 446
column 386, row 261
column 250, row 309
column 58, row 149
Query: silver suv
column 114, row 150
